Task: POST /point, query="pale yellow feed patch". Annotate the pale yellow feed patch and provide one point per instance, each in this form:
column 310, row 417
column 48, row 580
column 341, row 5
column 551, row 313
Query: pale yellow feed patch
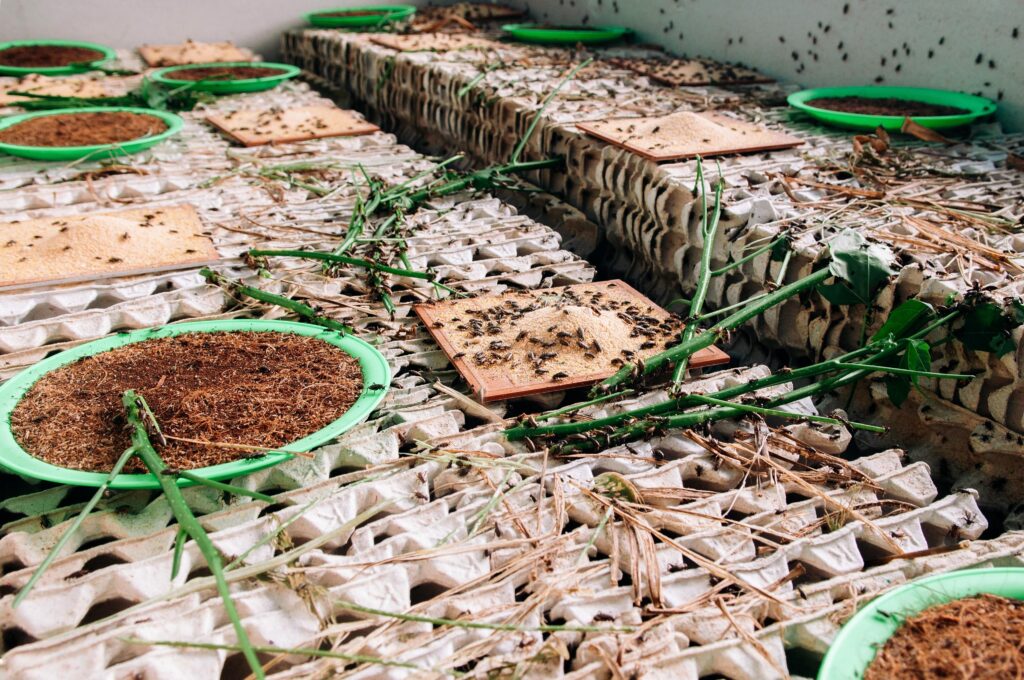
column 74, row 86
column 687, row 134
column 263, row 126
column 55, row 249
column 190, row 52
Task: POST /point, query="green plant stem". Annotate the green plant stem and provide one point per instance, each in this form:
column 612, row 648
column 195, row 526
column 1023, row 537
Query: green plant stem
column 708, row 337
column 351, row 606
column 134, row 406
column 872, row 353
column 518, row 150
column 354, row 261
column 305, row 311
column 704, row 278
column 70, row 531
column 747, row 258
column 748, row 408
column 480, row 179
column 221, row 486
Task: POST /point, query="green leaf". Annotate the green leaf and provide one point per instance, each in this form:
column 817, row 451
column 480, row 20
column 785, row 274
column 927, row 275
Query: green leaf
column 860, row 267
column 839, row 294
column 917, row 357
column 897, row 388
column 905, row 319
column 987, row 329
column 779, row 250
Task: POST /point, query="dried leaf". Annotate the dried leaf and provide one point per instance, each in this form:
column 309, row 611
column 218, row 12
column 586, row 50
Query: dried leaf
column 881, row 133
column 1015, row 162
column 923, row 133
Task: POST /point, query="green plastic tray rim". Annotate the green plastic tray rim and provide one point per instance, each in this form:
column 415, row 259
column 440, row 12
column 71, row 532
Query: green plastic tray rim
column 975, row 107
column 390, row 13
column 164, row 76
column 533, row 33
column 108, row 54
column 856, row 644
column 374, row 367
column 95, row 151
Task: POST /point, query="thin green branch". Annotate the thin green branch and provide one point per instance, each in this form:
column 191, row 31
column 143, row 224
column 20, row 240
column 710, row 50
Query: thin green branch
column 135, row 405
column 518, row 150
column 71, row 530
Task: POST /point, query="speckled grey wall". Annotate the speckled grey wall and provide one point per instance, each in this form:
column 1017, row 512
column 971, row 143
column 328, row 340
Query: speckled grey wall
column 975, row 47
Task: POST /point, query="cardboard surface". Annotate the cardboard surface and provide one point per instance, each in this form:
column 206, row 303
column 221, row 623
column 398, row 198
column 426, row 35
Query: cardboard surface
column 551, row 339
column 70, row 86
column 75, row 247
column 683, row 72
column 190, row 52
column 434, row 42
column 687, row 134
column 264, row 126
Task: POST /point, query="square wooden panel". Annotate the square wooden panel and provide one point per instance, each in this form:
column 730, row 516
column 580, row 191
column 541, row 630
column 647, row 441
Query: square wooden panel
column 684, row 72
column 190, row 52
column 528, row 342
column 81, row 247
column 433, row 42
column 264, row 126
column 73, row 86
column 686, row 134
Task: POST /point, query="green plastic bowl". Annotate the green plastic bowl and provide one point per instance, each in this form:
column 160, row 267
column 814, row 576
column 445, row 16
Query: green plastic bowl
column 94, row 151
column 863, row 635
column 974, row 107
column 388, row 14
column 536, row 33
column 54, row 70
column 16, row 459
column 165, row 76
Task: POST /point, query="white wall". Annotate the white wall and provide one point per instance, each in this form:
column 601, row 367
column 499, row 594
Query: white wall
column 256, row 24
column 735, row 30
column 868, row 31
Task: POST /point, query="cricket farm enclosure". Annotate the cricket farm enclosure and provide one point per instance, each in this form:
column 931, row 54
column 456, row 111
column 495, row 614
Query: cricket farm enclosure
column 460, row 343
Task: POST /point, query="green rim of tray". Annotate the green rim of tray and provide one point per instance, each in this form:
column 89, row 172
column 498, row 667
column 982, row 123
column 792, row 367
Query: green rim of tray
column 108, row 54
column 388, row 14
column 975, row 107
column 165, row 76
column 94, row 151
column 14, row 458
column 536, row 33
column 863, row 635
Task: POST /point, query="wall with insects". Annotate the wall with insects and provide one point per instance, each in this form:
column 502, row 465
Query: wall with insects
column 256, row 24
column 975, row 47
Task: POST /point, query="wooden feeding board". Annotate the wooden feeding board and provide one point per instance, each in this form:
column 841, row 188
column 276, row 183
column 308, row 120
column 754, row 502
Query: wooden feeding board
column 253, row 127
column 80, row 247
column 433, row 42
column 190, row 52
column 683, row 72
column 75, row 86
column 686, row 134
column 520, row 343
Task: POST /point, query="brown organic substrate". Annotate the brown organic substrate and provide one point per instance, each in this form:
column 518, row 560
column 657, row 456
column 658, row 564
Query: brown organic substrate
column 887, row 106
column 256, row 389
column 224, row 73
column 82, row 129
column 976, row 638
column 47, row 56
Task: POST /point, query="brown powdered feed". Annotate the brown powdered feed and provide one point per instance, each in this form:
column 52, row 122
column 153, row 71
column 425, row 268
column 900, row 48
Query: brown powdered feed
column 82, row 129
column 976, row 638
column 224, row 73
column 255, row 389
column 887, row 106
column 47, row 56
